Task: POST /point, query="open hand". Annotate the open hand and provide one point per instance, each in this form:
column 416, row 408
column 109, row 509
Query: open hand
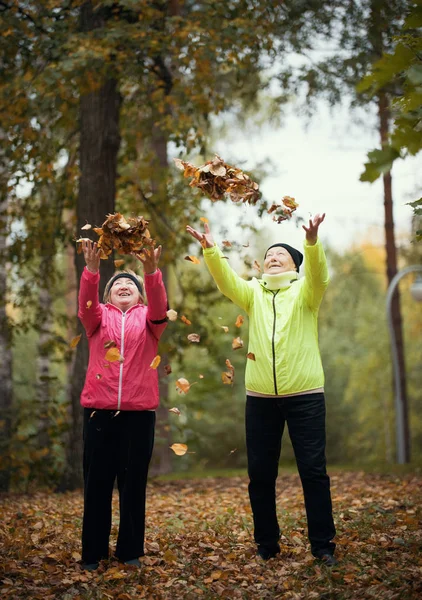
column 312, row 229
column 149, row 257
column 92, row 255
column 205, row 239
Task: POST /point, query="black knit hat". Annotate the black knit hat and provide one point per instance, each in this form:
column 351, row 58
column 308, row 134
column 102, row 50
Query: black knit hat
column 295, row 254
column 126, row 276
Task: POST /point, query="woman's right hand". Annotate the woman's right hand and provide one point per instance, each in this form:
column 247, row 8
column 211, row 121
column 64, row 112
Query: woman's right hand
column 205, row 239
column 92, row 255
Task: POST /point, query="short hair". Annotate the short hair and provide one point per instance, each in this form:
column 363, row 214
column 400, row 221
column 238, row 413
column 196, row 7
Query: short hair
column 109, row 284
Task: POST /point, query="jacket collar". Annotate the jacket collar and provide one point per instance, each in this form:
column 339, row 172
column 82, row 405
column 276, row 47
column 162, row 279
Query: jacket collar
column 109, row 304
column 278, row 281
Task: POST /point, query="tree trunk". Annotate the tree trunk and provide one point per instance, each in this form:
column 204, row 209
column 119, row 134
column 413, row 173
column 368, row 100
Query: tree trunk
column 390, row 245
column 5, row 334
column 99, row 146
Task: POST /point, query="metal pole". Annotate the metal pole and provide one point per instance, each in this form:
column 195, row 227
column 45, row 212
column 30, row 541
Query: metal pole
column 400, row 416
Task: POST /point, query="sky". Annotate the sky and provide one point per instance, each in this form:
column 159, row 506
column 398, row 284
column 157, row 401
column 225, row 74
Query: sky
column 319, row 164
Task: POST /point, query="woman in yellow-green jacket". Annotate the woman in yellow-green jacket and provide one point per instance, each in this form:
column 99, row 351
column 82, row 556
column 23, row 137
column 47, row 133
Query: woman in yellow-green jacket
column 285, row 382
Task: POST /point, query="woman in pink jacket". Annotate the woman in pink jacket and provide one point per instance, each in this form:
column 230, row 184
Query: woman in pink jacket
column 119, row 399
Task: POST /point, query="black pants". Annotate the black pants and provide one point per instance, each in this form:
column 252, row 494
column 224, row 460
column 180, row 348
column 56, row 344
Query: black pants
column 305, row 417
column 115, row 446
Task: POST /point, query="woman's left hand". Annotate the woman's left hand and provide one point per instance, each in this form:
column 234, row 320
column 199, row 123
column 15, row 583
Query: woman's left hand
column 312, row 230
column 149, row 258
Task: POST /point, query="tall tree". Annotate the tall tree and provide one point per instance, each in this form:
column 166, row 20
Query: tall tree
column 361, row 32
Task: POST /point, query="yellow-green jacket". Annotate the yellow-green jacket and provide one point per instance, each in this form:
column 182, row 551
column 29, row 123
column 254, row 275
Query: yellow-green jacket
column 283, row 328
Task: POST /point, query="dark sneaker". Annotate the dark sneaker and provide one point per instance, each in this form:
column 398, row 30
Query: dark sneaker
column 267, row 552
column 133, row 562
column 90, row 566
column 328, row 559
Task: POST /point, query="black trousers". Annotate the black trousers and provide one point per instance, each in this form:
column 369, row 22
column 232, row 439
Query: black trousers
column 305, row 417
column 115, row 446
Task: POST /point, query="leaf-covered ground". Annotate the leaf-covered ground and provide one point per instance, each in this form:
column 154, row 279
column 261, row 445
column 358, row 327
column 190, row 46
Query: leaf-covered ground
column 200, row 544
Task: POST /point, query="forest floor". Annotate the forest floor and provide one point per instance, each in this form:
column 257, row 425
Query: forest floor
column 199, row 544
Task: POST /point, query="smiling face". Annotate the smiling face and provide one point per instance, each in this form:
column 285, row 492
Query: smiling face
column 278, row 260
column 124, row 294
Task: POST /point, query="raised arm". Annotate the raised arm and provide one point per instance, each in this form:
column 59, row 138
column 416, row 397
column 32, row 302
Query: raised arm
column 89, row 310
column 228, row 282
column 316, row 271
column 155, row 290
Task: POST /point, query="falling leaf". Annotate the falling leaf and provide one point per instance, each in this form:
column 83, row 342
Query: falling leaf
column 256, row 266
column 156, row 361
column 175, row 410
column 119, row 263
column 290, row 202
column 193, row 259
column 167, row 369
column 89, row 304
column 109, row 344
column 75, row 341
column 113, row 354
column 79, row 244
column 92, row 414
column 182, row 386
column 239, row 321
column 201, row 377
column 204, row 219
column 116, row 413
column 233, row 451
column 228, row 376
column 224, row 328
column 171, row 315
column 237, row 343
column 185, row 320
column 86, row 227
column 216, row 179
column 226, row 244
column 194, row 337
column 246, row 245
column 251, row 356
column 179, row 449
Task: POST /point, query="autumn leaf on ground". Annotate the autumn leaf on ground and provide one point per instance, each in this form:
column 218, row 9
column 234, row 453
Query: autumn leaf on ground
column 239, row 321
column 251, row 356
column 171, row 315
column 182, row 385
column 237, row 343
column 119, row 263
column 113, row 354
column 185, row 320
column 224, row 328
column 86, row 227
column 89, row 304
column 155, row 362
column 179, row 449
column 228, row 376
column 194, row 337
column 193, row 259
column 75, row 341
column 226, row 244
column 216, row 179
column 175, row 410
column 167, row 369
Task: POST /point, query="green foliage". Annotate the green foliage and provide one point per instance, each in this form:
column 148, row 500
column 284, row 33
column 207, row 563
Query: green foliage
column 400, row 73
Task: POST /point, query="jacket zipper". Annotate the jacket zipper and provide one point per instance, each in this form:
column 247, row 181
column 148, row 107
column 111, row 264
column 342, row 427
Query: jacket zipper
column 122, row 350
column 273, row 343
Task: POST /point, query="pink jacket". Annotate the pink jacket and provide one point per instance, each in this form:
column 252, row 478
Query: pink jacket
column 131, row 384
